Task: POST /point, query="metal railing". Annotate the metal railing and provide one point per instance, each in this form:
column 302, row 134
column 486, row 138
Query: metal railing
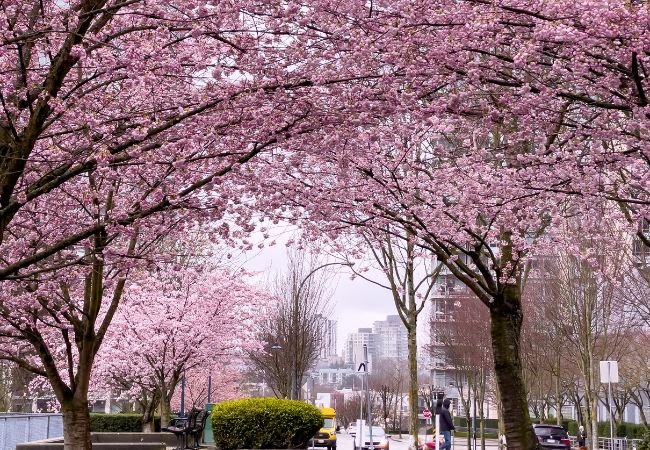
column 618, row 443
column 18, row 428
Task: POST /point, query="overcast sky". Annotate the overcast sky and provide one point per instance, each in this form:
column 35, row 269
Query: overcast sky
column 355, row 303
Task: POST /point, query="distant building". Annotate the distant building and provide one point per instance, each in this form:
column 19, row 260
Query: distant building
column 332, row 377
column 446, row 293
column 391, row 339
column 354, row 346
column 328, row 337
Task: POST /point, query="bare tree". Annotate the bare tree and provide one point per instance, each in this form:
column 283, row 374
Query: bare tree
column 385, row 381
column 587, row 305
column 348, row 411
column 292, row 328
column 466, row 348
column 409, row 276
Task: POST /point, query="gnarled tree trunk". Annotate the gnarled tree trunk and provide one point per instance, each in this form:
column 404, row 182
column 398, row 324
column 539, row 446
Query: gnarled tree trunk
column 149, row 403
column 76, row 424
column 506, row 319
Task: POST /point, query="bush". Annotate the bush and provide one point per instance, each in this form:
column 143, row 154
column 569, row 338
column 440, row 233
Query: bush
column 119, row 423
column 463, row 434
column 264, row 423
column 645, row 442
column 461, row 421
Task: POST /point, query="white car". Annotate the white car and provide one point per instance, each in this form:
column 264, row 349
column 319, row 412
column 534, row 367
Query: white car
column 379, row 439
column 352, row 429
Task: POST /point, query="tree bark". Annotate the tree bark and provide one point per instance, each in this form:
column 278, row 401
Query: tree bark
column 413, row 382
column 76, row 424
column 149, row 404
column 165, row 411
column 506, row 319
column 470, row 430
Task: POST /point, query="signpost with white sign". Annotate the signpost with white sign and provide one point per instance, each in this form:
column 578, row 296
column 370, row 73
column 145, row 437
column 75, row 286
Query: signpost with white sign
column 609, row 375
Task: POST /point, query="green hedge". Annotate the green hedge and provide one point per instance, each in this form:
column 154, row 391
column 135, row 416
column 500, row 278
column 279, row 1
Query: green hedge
column 629, row 430
column 267, row 423
column 645, row 442
column 463, row 434
column 461, row 421
column 119, row 423
column 625, row 429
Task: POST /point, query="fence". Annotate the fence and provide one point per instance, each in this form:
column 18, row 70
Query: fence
column 618, row 443
column 18, row 428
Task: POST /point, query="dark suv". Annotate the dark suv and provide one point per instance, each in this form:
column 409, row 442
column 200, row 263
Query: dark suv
column 552, row 437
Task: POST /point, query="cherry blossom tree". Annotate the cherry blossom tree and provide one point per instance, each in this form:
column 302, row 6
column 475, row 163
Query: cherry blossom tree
column 476, row 124
column 496, row 131
column 119, row 121
column 176, row 323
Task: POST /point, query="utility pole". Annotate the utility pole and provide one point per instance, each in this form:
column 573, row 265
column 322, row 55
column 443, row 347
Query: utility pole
column 367, row 376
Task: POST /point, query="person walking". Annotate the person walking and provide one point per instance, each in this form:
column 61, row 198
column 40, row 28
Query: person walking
column 446, row 424
column 582, row 438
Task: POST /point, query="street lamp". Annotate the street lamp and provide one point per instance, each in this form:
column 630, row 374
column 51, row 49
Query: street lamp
column 274, row 350
column 294, row 369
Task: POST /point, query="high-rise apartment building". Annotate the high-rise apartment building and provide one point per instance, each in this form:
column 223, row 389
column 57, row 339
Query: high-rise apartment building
column 328, row 337
column 391, row 339
column 354, row 346
column 446, row 295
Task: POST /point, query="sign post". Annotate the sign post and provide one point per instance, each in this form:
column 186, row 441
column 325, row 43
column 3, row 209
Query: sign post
column 609, row 375
column 427, row 415
column 436, row 432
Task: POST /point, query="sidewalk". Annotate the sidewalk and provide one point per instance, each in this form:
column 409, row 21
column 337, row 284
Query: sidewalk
column 457, row 442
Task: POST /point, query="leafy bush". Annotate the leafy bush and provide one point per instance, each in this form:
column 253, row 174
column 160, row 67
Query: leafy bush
column 264, row 423
column 461, row 421
column 645, row 442
column 624, row 429
column 119, row 423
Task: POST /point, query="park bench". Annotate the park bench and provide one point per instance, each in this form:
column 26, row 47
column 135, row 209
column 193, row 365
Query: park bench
column 191, row 426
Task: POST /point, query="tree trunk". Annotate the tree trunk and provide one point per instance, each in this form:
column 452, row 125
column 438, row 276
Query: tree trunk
column 482, row 431
column 413, row 383
column 401, row 408
column 501, row 425
column 165, row 409
column 558, row 403
column 149, row 404
column 590, row 396
column 470, row 430
column 76, row 424
column 506, row 319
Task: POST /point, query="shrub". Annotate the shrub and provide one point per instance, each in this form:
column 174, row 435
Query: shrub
column 264, row 423
column 461, row 421
column 645, row 442
column 119, row 423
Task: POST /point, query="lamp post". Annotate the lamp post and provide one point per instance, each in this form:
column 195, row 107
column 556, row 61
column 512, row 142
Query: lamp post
column 274, row 349
column 210, row 388
column 183, row 395
column 294, row 366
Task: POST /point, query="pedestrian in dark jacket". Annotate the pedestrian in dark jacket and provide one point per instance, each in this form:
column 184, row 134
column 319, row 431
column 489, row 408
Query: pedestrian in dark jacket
column 446, row 424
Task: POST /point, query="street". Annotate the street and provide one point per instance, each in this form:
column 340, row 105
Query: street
column 345, row 442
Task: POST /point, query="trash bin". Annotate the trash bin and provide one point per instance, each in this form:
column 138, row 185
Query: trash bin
column 208, row 437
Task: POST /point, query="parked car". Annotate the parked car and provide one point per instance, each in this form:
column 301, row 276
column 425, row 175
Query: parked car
column 352, row 429
column 379, row 438
column 552, row 437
